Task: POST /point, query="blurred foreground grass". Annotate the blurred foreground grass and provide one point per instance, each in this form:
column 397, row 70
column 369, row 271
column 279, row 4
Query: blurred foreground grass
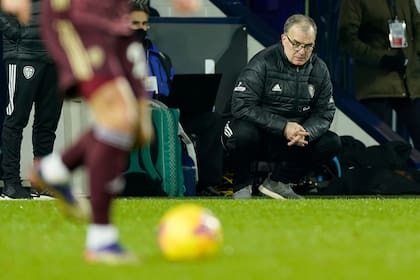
column 263, row 239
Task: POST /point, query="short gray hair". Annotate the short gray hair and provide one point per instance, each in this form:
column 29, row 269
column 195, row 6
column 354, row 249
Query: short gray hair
column 303, row 21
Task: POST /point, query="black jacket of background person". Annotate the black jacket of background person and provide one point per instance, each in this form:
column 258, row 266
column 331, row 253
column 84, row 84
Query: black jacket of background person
column 271, row 91
column 23, row 42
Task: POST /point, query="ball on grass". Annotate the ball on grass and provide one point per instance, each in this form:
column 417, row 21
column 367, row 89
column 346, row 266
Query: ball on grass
column 189, row 232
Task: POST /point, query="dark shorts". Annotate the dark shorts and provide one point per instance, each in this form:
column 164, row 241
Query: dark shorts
column 87, row 48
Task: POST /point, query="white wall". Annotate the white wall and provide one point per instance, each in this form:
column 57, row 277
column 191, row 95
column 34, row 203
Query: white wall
column 166, row 10
column 75, row 117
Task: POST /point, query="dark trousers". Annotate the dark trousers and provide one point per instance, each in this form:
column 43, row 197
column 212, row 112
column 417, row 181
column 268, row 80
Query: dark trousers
column 408, row 114
column 246, row 143
column 29, row 82
column 206, row 130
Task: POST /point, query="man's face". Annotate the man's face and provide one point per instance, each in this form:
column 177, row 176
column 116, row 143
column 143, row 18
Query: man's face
column 139, row 20
column 298, row 44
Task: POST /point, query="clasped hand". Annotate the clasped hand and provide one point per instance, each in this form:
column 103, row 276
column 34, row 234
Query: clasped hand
column 295, row 134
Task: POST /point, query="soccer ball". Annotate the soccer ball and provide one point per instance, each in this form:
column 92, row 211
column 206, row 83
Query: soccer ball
column 189, row 232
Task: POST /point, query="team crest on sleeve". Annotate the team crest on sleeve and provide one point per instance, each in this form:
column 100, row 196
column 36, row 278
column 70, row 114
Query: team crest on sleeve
column 28, row 72
column 240, row 87
column 311, row 90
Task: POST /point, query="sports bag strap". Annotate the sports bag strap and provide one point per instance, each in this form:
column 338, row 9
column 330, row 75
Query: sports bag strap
column 149, row 166
column 134, row 165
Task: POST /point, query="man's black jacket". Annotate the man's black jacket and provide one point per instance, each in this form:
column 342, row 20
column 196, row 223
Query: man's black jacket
column 271, row 91
column 23, row 42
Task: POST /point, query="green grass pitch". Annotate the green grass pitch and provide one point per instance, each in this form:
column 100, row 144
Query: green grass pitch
column 263, row 239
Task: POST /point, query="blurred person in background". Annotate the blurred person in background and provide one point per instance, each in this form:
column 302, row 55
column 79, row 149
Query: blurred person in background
column 32, row 80
column 205, row 128
column 383, row 38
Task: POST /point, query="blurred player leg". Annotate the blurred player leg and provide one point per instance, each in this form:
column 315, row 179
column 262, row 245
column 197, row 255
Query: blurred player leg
column 113, row 106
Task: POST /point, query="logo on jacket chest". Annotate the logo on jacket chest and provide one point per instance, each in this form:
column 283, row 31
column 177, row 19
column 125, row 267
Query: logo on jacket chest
column 277, row 88
column 28, row 72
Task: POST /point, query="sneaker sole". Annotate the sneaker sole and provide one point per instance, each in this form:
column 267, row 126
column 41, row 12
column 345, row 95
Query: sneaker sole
column 44, row 197
column 241, row 196
column 110, row 258
column 269, row 193
column 5, row 197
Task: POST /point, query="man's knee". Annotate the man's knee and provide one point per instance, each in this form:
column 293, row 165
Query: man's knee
column 334, row 141
column 238, row 134
column 329, row 144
